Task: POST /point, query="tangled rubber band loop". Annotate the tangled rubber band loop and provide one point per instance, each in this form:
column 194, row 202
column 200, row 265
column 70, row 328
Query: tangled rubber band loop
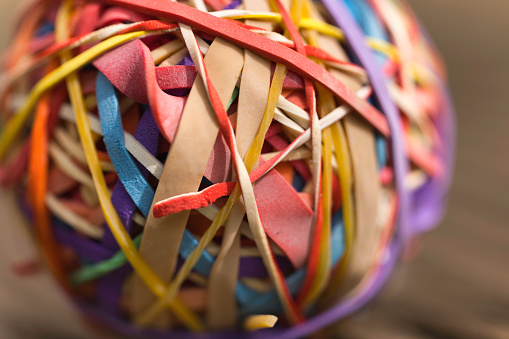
column 224, row 166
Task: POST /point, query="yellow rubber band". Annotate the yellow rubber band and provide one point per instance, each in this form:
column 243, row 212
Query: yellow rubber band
column 342, row 155
column 258, row 322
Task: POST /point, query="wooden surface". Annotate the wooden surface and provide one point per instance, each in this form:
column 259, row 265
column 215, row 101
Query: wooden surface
column 458, row 287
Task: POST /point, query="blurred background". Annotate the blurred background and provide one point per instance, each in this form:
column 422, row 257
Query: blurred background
column 458, row 286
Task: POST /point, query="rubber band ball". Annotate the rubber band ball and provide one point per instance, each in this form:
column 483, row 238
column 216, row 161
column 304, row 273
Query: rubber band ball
column 218, row 168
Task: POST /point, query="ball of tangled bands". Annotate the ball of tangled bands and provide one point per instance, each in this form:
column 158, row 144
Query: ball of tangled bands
column 237, row 168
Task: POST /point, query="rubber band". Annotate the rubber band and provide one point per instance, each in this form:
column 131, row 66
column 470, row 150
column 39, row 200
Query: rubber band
column 280, row 144
column 258, row 303
column 166, row 108
column 138, row 188
column 38, row 176
column 25, row 31
column 290, row 125
column 345, row 178
column 296, row 113
column 257, row 322
column 70, row 218
column 217, row 4
column 68, row 166
column 73, row 147
column 197, row 109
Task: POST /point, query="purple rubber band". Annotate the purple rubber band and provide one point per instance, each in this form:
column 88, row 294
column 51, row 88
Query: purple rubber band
column 446, row 122
column 251, row 267
column 232, row 5
column 125, row 208
column 83, row 247
column 432, row 198
column 109, row 289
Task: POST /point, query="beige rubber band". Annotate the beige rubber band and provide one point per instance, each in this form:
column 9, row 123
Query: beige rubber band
column 72, row 219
